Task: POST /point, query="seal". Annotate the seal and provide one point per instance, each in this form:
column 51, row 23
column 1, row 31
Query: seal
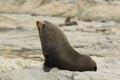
column 68, row 19
column 68, row 22
column 59, row 53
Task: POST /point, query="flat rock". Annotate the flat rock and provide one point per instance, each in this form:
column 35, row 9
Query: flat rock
column 37, row 74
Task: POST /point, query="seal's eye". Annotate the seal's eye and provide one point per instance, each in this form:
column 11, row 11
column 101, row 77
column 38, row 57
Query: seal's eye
column 44, row 25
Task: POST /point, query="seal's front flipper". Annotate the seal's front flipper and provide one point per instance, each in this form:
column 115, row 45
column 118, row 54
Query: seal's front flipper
column 46, row 69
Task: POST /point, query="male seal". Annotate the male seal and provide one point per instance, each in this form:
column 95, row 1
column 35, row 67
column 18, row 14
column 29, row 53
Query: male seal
column 59, row 53
column 68, row 22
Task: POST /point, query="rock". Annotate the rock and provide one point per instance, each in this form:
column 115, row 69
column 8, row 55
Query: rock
column 7, row 64
column 37, row 74
column 38, row 7
column 84, row 9
column 20, row 48
column 95, row 10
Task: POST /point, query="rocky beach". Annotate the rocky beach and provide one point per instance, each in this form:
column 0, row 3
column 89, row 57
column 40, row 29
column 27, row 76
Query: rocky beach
column 97, row 35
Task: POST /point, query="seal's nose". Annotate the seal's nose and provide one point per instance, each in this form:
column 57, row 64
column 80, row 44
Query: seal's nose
column 39, row 23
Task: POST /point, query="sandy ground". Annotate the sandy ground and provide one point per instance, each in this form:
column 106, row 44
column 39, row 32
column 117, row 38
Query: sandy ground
column 21, row 48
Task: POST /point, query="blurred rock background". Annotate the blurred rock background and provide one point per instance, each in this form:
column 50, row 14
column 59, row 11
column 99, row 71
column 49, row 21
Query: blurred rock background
column 83, row 9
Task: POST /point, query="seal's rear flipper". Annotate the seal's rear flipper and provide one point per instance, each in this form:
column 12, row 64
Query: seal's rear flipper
column 93, row 69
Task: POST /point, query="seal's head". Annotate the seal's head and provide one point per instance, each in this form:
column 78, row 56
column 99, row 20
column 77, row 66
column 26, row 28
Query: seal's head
column 50, row 35
column 68, row 19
